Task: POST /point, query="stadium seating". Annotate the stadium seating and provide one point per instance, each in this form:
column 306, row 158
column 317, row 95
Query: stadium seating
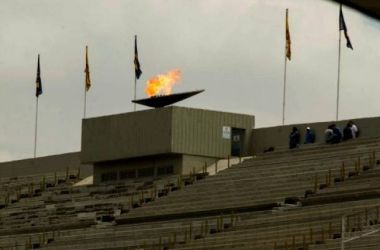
column 286, row 199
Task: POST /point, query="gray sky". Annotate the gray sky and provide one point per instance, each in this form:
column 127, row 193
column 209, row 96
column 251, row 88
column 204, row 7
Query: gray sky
column 233, row 49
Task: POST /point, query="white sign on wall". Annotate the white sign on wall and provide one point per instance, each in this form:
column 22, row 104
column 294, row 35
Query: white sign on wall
column 226, row 132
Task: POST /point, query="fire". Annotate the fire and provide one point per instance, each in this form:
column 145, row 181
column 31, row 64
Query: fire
column 162, row 84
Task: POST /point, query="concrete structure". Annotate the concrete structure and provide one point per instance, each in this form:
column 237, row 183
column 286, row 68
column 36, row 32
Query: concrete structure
column 162, row 141
column 45, row 165
column 264, row 138
column 170, row 140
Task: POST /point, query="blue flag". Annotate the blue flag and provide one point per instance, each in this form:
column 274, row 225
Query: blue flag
column 342, row 26
column 138, row 71
column 38, row 80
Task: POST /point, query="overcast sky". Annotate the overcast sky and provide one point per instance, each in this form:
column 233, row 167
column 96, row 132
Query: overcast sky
column 233, row 49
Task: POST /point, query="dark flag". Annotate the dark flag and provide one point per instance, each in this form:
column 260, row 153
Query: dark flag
column 138, row 71
column 38, row 80
column 342, row 26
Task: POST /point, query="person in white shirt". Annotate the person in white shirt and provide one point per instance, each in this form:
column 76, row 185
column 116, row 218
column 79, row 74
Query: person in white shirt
column 328, row 134
column 355, row 130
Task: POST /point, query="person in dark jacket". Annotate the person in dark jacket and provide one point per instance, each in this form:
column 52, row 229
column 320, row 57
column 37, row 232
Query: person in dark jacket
column 347, row 132
column 309, row 136
column 294, row 138
column 337, row 134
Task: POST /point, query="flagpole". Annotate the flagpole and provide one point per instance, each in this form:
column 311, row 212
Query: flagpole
column 35, row 131
column 135, row 93
column 85, row 102
column 338, row 88
column 286, row 64
column 284, row 94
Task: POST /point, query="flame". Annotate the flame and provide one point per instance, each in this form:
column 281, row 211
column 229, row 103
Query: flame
column 162, row 84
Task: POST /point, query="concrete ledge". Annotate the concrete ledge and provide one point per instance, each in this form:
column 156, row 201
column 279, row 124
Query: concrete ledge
column 46, row 228
column 197, row 214
column 45, row 165
column 341, row 197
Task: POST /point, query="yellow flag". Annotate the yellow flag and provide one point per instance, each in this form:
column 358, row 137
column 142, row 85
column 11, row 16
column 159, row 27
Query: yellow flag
column 87, row 71
column 288, row 40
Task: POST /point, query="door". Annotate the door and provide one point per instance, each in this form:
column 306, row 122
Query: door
column 237, row 142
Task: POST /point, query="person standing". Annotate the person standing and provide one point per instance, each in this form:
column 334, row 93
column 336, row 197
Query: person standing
column 294, row 138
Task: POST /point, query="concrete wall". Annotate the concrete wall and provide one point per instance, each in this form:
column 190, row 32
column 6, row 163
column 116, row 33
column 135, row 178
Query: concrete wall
column 161, row 131
column 128, row 135
column 191, row 162
column 264, row 138
column 137, row 163
column 183, row 164
column 199, row 132
column 44, row 165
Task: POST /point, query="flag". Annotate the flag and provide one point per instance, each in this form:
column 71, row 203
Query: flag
column 38, row 80
column 342, row 26
column 87, row 71
column 288, row 40
column 138, row 71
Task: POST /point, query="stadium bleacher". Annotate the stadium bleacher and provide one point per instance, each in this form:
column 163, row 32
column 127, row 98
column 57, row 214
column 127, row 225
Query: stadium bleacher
column 278, row 200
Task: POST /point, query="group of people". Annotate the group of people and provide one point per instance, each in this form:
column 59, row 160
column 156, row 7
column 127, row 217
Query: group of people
column 333, row 134
column 294, row 137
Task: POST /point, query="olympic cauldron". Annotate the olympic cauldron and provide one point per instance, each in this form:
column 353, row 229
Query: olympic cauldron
column 160, row 101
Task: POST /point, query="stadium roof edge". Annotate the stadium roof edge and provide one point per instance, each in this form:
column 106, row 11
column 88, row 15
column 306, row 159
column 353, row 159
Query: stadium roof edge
column 369, row 7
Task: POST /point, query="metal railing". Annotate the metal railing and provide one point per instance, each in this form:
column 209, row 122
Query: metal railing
column 359, row 225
